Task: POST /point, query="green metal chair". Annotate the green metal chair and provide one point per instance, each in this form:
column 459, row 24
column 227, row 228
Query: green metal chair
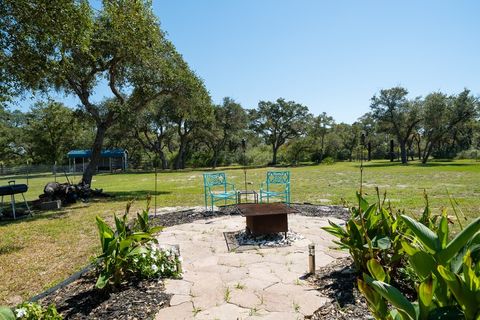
column 277, row 185
column 217, row 188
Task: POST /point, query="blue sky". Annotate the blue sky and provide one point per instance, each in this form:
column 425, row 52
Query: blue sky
column 331, row 56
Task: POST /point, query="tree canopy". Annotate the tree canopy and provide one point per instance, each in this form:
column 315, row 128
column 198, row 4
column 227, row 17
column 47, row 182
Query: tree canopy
column 73, row 48
column 279, row 121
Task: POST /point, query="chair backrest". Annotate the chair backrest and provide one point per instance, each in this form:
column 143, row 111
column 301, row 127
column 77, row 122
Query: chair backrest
column 278, row 177
column 214, row 179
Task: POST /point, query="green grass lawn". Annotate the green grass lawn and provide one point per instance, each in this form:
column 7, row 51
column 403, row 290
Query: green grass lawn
column 37, row 252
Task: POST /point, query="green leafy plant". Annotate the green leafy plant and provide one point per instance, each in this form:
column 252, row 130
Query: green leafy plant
column 6, row 313
column 131, row 251
column 34, row 311
column 448, row 272
column 156, row 263
column 371, row 232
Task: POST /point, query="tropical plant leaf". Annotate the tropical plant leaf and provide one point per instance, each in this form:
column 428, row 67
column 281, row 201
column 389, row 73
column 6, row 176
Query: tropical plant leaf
column 6, row 313
column 426, row 291
column 375, row 302
column 356, row 236
column 139, row 236
column 370, row 217
column 426, row 236
column 362, row 202
column 137, row 251
column 382, row 243
column 442, row 231
column 376, row 270
column 335, row 230
column 395, row 297
column 105, row 232
column 423, row 263
column 102, row 280
column 465, row 298
column 460, row 240
column 156, row 229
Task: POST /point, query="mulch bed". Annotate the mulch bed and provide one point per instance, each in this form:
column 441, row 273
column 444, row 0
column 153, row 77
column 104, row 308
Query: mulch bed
column 143, row 299
column 137, row 299
column 190, row 215
column 337, row 281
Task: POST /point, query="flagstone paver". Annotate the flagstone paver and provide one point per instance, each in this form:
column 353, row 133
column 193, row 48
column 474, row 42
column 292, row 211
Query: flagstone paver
column 255, row 284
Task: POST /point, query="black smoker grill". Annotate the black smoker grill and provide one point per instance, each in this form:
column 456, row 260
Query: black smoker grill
column 11, row 190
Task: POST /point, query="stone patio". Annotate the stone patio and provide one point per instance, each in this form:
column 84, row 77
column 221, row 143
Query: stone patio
column 255, row 284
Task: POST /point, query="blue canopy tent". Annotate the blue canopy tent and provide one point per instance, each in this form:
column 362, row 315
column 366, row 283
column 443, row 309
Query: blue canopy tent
column 110, row 160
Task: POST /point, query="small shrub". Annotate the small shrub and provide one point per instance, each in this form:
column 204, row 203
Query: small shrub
column 258, row 155
column 468, row 154
column 156, row 263
column 328, row 161
column 132, row 251
column 34, row 311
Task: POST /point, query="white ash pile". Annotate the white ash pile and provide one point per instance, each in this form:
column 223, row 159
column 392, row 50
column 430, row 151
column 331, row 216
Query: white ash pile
column 271, row 240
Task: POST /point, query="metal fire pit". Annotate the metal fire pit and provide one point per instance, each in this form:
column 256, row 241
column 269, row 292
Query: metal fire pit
column 265, row 218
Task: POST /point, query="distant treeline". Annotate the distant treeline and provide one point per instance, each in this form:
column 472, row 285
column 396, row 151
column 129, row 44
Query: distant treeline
column 175, row 136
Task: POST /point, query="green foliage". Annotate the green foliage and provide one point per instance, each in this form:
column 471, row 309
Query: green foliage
column 52, row 130
column 34, row 311
column 468, row 154
column 6, row 313
column 370, row 233
column 396, row 115
column 447, row 273
column 155, row 262
column 131, row 251
column 318, row 129
column 277, row 122
column 328, row 161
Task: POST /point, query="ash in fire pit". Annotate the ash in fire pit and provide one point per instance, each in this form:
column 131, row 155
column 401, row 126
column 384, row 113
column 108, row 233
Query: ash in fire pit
column 241, row 240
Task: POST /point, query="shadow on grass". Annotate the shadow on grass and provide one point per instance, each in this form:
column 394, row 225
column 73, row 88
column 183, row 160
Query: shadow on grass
column 9, row 248
column 414, row 164
column 23, row 176
column 129, row 195
column 37, row 215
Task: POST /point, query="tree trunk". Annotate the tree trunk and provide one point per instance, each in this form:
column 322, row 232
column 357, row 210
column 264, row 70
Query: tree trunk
column 392, row 153
column 215, row 158
column 427, row 152
column 96, row 152
column 403, row 152
column 419, row 150
column 274, row 159
column 179, row 160
column 322, row 144
column 163, row 159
